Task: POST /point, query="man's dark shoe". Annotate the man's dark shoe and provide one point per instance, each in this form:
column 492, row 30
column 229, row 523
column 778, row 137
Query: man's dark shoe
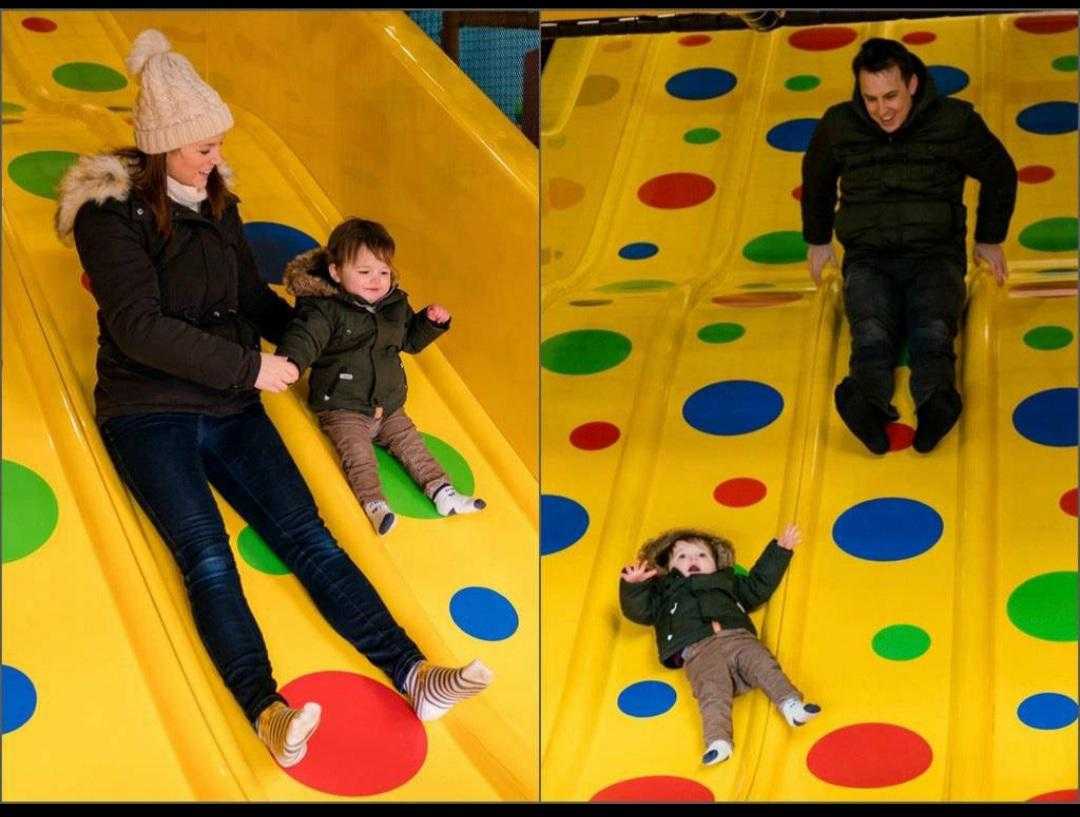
column 936, row 416
column 865, row 420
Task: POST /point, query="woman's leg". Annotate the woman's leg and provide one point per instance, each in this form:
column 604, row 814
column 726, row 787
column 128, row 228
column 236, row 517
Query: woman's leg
column 248, row 463
column 157, row 456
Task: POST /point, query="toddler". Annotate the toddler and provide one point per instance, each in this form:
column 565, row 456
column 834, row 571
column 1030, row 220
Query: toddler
column 684, row 584
column 351, row 324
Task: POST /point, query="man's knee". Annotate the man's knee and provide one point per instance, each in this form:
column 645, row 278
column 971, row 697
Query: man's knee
column 932, row 335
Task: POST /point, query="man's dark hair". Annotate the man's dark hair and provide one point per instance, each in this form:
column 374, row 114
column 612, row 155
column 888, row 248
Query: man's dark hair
column 878, row 54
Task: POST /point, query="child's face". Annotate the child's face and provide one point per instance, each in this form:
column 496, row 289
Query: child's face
column 690, row 557
column 364, row 275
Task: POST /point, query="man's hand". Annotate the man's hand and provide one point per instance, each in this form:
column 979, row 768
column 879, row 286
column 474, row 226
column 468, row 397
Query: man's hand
column 790, row 537
column 817, row 257
column 638, row 572
column 994, row 257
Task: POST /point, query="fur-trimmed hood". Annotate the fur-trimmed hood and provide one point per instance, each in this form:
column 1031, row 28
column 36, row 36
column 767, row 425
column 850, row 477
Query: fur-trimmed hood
column 97, row 178
column 308, row 275
column 657, row 552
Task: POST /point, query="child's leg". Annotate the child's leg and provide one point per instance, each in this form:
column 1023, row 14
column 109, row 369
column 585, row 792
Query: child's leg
column 707, row 670
column 758, row 667
column 351, row 433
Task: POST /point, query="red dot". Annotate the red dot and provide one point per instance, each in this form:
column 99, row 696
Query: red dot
column 84, row 279
column 919, row 37
column 1035, row 174
column 674, row 190
column 758, row 299
column 739, row 492
column 594, row 436
column 1068, row 502
column 869, row 755
column 695, row 39
column 1046, row 24
column 823, row 38
column 40, row 24
column 659, row 789
column 797, row 193
column 369, row 740
column 1060, row 796
column 900, row 436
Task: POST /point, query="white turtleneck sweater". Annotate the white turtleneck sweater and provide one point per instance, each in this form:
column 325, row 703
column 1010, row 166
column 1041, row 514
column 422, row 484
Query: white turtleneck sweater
column 190, row 197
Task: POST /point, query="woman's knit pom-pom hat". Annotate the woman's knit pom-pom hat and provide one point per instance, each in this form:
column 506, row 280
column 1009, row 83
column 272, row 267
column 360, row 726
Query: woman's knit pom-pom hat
column 174, row 106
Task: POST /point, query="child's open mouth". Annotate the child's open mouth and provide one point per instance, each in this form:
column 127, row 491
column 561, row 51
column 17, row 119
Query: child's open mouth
column 693, row 569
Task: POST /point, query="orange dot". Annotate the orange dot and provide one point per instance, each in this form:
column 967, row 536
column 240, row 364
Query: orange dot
column 564, row 193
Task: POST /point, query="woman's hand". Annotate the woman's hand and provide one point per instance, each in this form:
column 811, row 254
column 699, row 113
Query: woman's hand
column 276, row 373
column 638, row 572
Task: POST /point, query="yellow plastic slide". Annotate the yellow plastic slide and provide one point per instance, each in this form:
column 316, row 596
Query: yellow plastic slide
column 108, row 693
column 688, row 369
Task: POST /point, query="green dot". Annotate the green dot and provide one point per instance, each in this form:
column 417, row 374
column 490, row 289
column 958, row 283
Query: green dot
column 584, row 351
column 89, row 76
column 39, row 172
column 1051, row 234
column 757, row 285
column 404, row 496
column 721, row 332
column 802, row 82
column 783, row 247
column 901, row 642
column 741, row 571
column 701, row 136
column 1048, row 337
column 258, row 554
column 636, row 285
column 11, row 107
column 30, row 511
column 1066, row 63
column 1045, row 606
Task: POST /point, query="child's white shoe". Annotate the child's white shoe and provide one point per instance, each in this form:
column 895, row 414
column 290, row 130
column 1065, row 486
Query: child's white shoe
column 796, row 713
column 449, row 502
column 718, row 751
column 382, row 518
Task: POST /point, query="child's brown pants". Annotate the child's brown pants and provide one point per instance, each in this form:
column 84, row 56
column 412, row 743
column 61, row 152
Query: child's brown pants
column 728, row 664
column 353, row 433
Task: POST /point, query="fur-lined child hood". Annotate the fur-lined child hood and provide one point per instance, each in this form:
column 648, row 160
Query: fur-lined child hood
column 307, row 275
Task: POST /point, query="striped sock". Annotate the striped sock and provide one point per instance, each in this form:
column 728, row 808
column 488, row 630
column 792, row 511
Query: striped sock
column 286, row 731
column 433, row 690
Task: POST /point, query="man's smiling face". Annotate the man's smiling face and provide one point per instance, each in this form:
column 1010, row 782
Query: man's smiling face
column 887, row 97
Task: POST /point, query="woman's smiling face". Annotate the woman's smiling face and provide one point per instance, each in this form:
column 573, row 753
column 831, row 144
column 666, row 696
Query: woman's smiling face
column 192, row 164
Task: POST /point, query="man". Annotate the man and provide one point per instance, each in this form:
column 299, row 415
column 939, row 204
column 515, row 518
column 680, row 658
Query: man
column 901, row 153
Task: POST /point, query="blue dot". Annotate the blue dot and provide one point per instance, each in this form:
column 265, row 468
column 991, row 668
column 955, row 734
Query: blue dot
column 274, row 246
column 19, row 698
column 483, row 613
column 638, row 251
column 887, row 529
column 1048, row 118
column 1047, row 710
column 1048, row 417
column 793, row 135
column 562, row 522
column 732, row 407
column 646, row 699
column 948, row 79
column 701, row 83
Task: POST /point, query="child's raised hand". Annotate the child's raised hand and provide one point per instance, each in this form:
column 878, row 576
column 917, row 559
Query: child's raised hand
column 790, row 537
column 438, row 314
column 638, row 572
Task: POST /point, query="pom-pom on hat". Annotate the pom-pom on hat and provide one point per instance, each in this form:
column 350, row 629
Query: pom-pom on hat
column 174, row 106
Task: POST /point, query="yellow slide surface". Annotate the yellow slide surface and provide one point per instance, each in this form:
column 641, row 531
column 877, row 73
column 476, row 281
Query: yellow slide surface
column 108, row 693
column 688, row 370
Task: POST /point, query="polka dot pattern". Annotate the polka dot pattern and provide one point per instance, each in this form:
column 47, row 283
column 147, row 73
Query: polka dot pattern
column 19, row 698
column 275, row 245
column 1035, row 174
column 780, row 247
column 1048, row 118
column 1046, row 23
column 483, row 613
column 638, row 251
column 1064, row 63
column 869, row 755
column 901, row 642
column 721, row 332
column 823, row 38
column 1060, row 796
column 1047, row 710
column 257, row 553
column 793, row 135
column 887, row 529
column 900, row 435
column 584, row 351
column 594, row 436
column 40, row 171
column 802, row 82
column 1047, row 338
column 597, row 89
column 1048, row 417
column 646, row 699
column 591, row 302
column 673, row 191
column 701, row 83
column 1056, row 234
column 756, row 299
column 564, row 193
column 1068, row 502
column 637, row 285
column 1045, row 607
column 692, row 40
column 31, row 511
column 732, row 407
column 89, row 76
column 701, row 136
column 563, row 522
column 40, row 25
column 657, row 789
column 948, row 79
column 740, row 492
column 368, row 742
column 919, row 37
column 404, row 496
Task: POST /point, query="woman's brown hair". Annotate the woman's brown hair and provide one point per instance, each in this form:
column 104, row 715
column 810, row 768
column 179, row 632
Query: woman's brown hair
column 148, row 178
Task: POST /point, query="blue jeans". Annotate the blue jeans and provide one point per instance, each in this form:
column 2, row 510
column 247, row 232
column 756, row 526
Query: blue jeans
column 888, row 299
column 169, row 461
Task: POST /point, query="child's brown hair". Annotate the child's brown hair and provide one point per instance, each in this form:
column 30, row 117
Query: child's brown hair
column 350, row 236
column 657, row 552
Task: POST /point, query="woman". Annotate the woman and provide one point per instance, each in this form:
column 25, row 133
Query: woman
column 180, row 310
